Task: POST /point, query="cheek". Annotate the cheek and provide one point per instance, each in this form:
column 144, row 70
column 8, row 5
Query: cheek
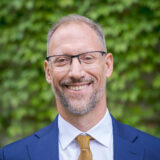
column 57, row 77
column 101, row 79
column 99, row 74
column 98, row 70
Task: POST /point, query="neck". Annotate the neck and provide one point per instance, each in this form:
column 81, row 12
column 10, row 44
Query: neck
column 88, row 120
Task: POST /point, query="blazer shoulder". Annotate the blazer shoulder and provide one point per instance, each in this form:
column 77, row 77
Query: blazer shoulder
column 11, row 151
column 20, row 146
column 151, row 144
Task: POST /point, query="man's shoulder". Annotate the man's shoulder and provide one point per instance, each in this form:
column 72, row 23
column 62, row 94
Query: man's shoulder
column 33, row 137
column 141, row 134
column 135, row 135
column 20, row 146
column 16, row 148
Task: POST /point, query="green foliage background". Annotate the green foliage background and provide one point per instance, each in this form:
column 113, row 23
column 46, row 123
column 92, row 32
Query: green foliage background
column 132, row 30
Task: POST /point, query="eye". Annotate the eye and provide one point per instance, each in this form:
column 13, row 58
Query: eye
column 87, row 58
column 62, row 60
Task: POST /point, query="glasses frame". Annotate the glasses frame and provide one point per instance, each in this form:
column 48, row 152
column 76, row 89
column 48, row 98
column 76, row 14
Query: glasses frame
column 74, row 56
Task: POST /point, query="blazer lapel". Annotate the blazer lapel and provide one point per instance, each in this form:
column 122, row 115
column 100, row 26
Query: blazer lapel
column 46, row 145
column 127, row 145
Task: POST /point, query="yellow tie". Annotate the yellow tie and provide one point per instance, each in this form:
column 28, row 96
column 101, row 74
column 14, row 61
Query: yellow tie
column 83, row 142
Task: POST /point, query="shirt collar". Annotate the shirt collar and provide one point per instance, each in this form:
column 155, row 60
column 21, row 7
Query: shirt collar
column 67, row 132
column 101, row 132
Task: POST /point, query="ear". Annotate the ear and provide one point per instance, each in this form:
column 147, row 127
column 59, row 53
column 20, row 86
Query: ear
column 108, row 64
column 47, row 71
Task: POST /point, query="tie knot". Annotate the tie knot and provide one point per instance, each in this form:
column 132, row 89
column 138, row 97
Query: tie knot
column 83, row 141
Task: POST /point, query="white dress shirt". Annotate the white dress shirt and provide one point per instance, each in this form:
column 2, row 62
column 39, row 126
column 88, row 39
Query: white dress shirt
column 101, row 147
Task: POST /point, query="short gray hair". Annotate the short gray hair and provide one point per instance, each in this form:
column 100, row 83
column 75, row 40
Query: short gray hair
column 77, row 19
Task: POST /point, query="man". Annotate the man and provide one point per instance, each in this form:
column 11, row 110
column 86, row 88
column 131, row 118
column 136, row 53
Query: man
column 77, row 66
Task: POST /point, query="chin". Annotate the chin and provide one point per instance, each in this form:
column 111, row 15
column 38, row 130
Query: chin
column 79, row 110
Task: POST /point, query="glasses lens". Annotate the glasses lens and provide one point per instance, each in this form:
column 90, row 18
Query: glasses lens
column 89, row 58
column 60, row 61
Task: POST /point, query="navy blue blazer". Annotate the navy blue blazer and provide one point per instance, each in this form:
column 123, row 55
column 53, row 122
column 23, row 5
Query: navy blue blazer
column 129, row 144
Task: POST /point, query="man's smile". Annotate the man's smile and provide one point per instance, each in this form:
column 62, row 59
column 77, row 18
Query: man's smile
column 78, row 87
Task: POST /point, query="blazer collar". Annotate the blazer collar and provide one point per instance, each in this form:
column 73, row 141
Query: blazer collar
column 46, row 145
column 126, row 142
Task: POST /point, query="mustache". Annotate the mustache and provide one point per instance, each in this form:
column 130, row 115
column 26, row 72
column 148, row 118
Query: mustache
column 81, row 80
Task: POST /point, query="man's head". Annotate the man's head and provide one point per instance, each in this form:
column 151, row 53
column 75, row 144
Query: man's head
column 79, row 80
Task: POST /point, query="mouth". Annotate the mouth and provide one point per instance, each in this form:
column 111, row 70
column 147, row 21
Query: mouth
column 77, row 87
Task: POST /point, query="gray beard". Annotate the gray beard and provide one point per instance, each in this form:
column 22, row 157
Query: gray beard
column 83, row 108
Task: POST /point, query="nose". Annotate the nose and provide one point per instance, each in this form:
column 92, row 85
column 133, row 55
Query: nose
column 76, row 69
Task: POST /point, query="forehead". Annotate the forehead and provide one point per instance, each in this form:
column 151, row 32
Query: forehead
column 76, row 37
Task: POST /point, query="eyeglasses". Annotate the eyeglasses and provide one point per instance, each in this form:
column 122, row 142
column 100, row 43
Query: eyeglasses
column 86, row 59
